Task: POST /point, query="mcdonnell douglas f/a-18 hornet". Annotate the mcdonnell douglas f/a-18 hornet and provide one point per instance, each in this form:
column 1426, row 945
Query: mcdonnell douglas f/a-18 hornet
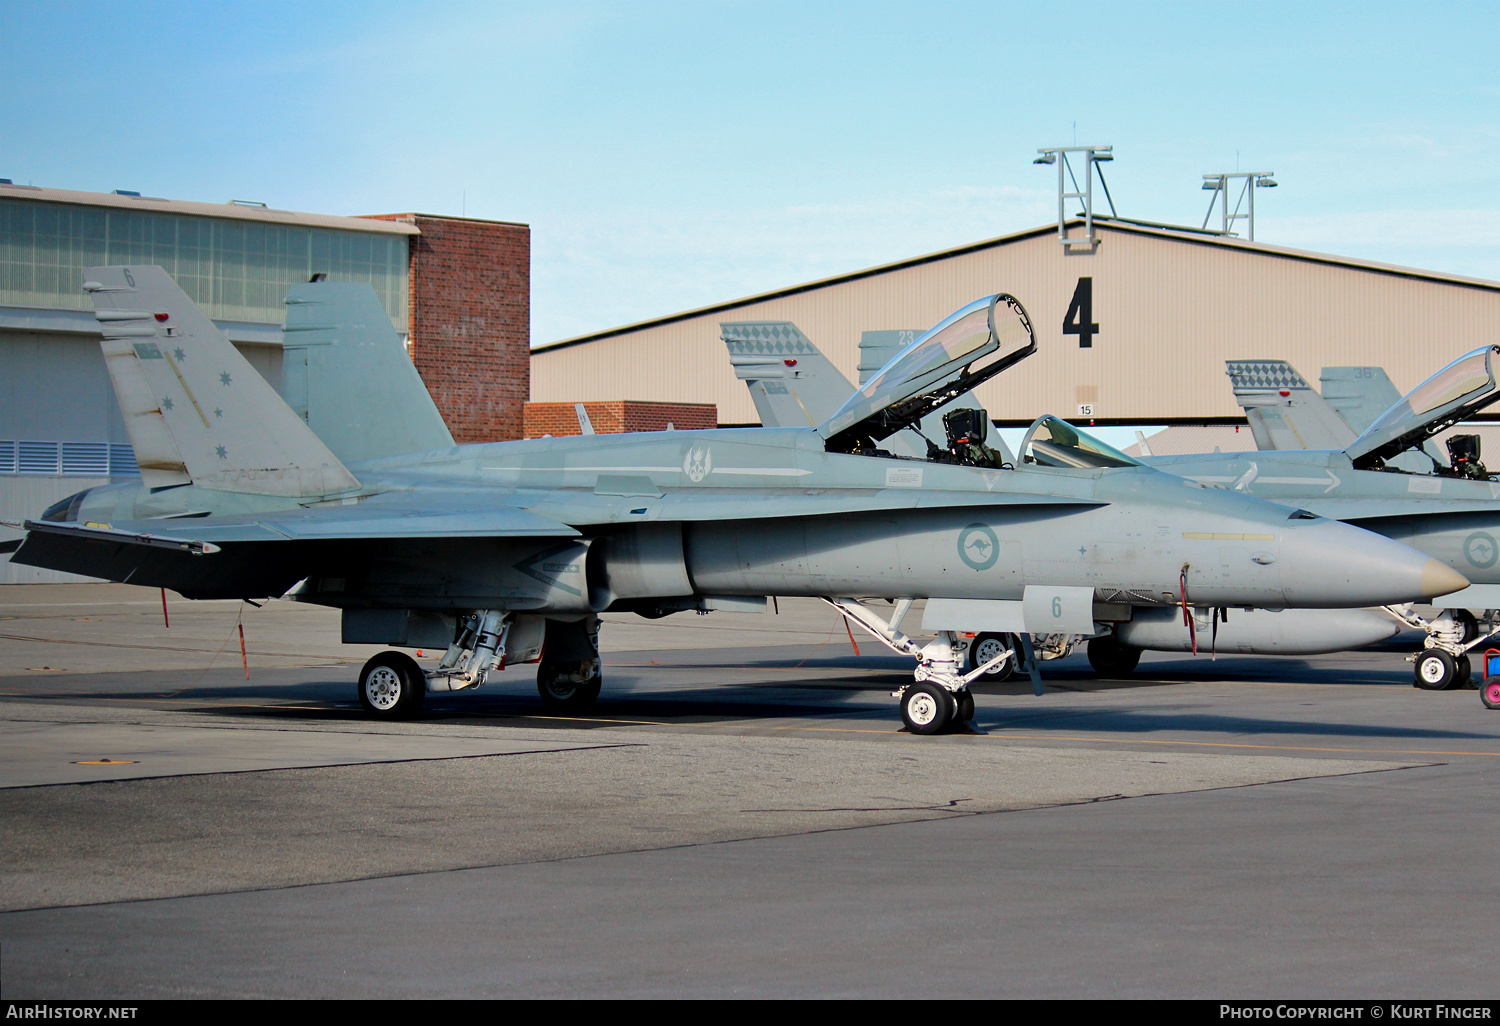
column 1360, row 452
column 508, row 551
column 1339, row 455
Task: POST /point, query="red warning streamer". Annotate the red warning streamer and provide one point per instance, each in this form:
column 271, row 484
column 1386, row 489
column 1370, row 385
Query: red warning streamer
column 851, row 636
column 1187, row 617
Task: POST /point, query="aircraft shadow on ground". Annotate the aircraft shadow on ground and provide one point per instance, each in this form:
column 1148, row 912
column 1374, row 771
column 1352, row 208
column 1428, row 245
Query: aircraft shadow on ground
column 1156, row 721
column 636, row 691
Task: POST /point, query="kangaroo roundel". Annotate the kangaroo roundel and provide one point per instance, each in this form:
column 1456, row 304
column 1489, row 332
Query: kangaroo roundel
column 978, row 547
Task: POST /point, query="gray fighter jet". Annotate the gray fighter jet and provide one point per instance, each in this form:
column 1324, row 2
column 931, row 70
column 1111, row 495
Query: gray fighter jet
column 792, row 382
column 507, row 552
column 1389, row 480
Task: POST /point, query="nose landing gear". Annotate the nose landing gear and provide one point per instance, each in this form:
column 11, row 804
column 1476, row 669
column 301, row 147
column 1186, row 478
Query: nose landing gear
column 940, row 697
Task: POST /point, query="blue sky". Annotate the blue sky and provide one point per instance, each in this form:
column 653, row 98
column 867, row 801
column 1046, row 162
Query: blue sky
column 670, row 155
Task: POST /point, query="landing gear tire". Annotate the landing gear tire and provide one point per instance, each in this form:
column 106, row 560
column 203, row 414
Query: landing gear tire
column 561, row 690
column 986, row 647
column 392, row 686
column 1110, row 659
column 1463, row 673
column 927, row 708
column 1489, row 692
column 1436, row 670
column 964, row 712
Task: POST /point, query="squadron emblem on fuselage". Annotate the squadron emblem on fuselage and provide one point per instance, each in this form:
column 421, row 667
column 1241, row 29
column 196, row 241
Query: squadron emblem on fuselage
column 697, row 463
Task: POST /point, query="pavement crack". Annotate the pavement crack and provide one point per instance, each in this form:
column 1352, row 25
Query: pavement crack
column 951, row 804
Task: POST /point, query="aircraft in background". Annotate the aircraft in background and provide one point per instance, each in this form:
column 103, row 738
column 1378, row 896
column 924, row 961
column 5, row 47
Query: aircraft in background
column 1447, row 507
column 1390, row 480
column 791, row 381
column 1285, row 412
column 508, row 551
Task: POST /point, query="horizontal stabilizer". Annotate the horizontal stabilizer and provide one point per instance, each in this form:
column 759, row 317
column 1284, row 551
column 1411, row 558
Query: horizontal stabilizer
column 195, row 409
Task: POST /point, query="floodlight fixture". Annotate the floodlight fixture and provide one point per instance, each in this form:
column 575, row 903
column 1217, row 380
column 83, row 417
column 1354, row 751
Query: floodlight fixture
column 1219, row 185
column 1092, row 156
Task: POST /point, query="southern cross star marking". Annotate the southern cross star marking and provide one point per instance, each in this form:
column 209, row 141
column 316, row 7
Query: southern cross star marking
column 222, row 452
column 224, row 378
column 167, row 403
column 219, row 414
column 1082, row 551
column 179, row 354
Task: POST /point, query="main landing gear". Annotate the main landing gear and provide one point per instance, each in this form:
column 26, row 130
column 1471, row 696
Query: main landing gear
column 939, row 699
column 392, row 686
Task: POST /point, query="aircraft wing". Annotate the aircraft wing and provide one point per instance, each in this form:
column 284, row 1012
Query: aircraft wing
column 263, row 553
column 327, row 523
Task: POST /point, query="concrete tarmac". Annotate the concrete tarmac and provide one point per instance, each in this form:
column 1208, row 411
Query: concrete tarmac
column 739, row 816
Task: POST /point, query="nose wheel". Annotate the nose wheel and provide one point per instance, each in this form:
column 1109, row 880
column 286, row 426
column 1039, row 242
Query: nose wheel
column 927, row 708
column 1436, row 670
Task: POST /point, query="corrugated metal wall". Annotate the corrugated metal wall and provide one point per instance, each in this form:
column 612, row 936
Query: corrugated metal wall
column 1171, row 309
column 24, row 498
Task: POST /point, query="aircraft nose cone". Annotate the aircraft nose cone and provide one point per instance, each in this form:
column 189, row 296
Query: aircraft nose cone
column 1441, row 579
column 1326, row 563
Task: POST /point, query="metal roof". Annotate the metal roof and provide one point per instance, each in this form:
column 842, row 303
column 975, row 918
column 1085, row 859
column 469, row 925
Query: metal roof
column 224, row 211
column 1175, row 233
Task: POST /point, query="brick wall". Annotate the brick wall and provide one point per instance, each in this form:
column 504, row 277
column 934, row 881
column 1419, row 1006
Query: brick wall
column 471, row 321
column 618, row 415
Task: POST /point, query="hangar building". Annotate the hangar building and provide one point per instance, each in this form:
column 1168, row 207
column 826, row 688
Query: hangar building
column 1132, row 330
column 457, row 289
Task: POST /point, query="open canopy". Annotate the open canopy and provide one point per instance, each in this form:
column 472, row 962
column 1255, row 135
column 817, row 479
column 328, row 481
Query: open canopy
column 1459, row 390
column 936, row 368
column 1053, row 442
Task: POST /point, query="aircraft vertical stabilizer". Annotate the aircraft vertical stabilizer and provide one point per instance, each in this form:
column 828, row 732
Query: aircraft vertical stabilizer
column 348, row 376
column 790, row 381
column 1284, row 411
column 1358, row 394
column 195, row 409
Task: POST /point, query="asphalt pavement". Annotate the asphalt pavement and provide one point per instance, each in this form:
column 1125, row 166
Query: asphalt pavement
column 740, row 815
